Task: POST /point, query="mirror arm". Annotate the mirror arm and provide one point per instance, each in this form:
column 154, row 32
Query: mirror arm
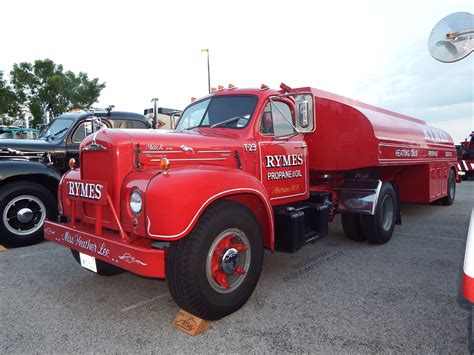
column 454, row 35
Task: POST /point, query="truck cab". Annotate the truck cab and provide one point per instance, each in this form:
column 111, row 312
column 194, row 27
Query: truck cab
column 262, row 135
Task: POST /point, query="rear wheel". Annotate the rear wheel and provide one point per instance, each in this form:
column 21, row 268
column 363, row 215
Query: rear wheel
column 103, row 268
column 24, row 206
column 352, row 226
column 379, row 228
column 212, row 272
column 449, row 198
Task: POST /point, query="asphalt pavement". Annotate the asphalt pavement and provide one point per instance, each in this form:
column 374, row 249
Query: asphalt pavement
column 331, row 296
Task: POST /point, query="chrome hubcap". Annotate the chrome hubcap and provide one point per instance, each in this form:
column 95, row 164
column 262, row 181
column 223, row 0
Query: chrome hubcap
column 230, row 261
column 24, row 215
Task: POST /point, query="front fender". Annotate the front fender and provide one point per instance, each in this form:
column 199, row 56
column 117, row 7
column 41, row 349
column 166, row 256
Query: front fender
column 174, row 201
column 16, row 168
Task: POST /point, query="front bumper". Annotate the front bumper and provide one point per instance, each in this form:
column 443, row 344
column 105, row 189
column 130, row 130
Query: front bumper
column 109, row 247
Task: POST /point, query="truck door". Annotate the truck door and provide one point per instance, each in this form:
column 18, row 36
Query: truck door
column 283, row 166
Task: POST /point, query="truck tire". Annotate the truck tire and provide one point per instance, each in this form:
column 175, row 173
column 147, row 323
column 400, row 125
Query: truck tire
column 379, row 228
column 103, row 268
column 449, row 198
column 212, row 272
column 24, row 206
column 352, row 226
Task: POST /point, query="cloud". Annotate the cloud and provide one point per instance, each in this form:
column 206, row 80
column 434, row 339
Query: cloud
column 417, row 85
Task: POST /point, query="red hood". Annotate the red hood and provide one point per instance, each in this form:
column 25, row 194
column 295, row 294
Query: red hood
column 209, row 146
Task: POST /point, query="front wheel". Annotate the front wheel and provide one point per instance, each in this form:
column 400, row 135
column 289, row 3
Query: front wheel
column 379, row 228
column 212, row 272
column 24, row 206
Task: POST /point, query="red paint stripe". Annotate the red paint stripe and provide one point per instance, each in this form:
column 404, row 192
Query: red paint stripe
column 468, row 288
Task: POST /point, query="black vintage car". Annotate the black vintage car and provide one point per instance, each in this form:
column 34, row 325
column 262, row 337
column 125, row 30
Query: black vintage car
column 30, row 170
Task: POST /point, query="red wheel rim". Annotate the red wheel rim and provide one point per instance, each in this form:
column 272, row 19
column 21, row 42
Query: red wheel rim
column 228, row 260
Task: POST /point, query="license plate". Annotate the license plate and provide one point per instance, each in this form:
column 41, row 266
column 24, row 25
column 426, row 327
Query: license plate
column 88, row 262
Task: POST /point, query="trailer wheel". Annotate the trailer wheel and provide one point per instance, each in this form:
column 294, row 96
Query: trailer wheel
column 212, row 272
column 352, row 226
column 379, row 228
column 449, row 198
column 23, row 208
column 103, row 268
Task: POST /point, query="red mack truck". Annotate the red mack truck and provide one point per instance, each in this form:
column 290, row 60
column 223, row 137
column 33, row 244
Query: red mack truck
column 245, row 169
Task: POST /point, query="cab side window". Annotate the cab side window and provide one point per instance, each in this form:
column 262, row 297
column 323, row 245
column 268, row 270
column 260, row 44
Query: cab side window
column 86, row 128
column 276, row 120
column 136, row 124
column 82, row 131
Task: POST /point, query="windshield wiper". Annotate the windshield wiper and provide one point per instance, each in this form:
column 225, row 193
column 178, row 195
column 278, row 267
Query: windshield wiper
column 229, row 120
column 192, row 127
column 57, row 133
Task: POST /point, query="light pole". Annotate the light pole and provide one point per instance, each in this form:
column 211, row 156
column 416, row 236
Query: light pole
column 208, row 70
column 155, row 112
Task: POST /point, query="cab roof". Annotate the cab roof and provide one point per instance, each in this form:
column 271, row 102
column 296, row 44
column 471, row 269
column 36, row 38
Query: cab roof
column 113, row 115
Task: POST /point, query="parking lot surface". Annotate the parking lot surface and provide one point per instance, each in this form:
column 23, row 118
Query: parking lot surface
column 332, row 296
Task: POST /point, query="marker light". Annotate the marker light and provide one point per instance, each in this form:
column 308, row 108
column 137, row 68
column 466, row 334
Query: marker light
column 193, row 99
column 136, row 201
column 220, row 87
column 264, row 87
column 231, row 86
column 213, row 89
column 164, row 164
column 72, row 163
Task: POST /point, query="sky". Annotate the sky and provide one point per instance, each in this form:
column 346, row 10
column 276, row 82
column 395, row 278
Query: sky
column 372, row 51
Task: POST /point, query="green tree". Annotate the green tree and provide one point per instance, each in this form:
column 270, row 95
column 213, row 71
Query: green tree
column 8, row 102
column 45, row 83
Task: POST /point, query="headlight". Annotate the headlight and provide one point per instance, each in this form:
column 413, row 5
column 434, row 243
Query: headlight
column 136, row 201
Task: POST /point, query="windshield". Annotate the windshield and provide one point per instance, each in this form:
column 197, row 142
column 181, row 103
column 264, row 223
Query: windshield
column 6, row 135
column 222, row 111
column 57, row 128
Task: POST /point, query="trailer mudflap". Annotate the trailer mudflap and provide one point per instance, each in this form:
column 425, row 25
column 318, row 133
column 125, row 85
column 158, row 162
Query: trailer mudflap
column 359, row 196
column 109, row 247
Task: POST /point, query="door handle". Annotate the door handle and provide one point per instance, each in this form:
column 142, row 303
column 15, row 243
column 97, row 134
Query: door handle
column 300, row 147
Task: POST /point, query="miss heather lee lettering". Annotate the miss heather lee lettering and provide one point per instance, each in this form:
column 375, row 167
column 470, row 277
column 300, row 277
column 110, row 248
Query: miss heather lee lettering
column 76, row 240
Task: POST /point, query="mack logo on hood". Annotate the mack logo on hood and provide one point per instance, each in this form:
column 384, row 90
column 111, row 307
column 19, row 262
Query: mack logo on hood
column 85, row 190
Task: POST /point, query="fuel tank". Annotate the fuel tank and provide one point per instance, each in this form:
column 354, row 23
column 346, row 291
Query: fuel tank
column 352, row 135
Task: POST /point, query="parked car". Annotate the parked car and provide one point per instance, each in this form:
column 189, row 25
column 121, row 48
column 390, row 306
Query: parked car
column 13, row 132
column 30, row 170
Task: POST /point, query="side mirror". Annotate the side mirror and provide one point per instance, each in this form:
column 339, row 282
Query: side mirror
column 305, row 120
column 452, row 38
column 303, row 114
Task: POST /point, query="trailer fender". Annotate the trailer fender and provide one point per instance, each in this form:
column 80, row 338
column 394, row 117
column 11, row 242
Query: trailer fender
column 171, row 213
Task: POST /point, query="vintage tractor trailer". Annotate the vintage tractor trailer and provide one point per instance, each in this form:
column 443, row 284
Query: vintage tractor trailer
column 245, row 169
